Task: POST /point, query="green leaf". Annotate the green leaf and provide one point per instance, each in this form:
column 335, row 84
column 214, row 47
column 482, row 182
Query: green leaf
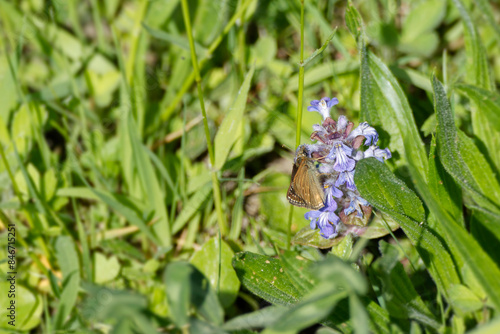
column 28, row 307
column 478, row 73
column 105, row 269
column 297, row 269
column 353, row 21
column 150, row 186
column 181, row 42
column 359, row 315
column 309, row 237
column 461, row 158
column 321, row 49
column 110, row 200
column 70, row 268
column 226, row 135
column 186, row 286
column 384, row 103
column 488, row 104
column 424, row 17
column 312, row 309
column 258, row 319
column 322, row 72
column 199, row 326
column 491, row 327
column 380, row 226
column 265, row 277
column 444, row 187
column 463, row 299
column 482, row 267
column 336, row 280
column 192, row 206
column 401, row 298
column 385, row 192
column 418, row 36
column 213, row 258
column 344, row 249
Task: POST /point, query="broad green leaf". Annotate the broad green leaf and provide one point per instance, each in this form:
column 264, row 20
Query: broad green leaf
column 297, row 269
column 461, row 158
column 448, row 193
column 418, row 36
column 70, row 268
column 444, row 187
column 379, row 226
column 258, row 319
column 463, row 299
column 384, row 103
column 28, row 307
column 424, row 17
column 401, row 298
column 265, row 277
column 423, row 45
column 213, row 258
column 482, row 267
column 202, row 327
column 385, row 192
column 186, row 286
column 488, row 104
column 483, row 175
column 312, row 309
column 336, row 280
column 264, row 51
column 226, row 135
column 105, row 269
column 478, row 74
column 359, row 315
column 492, row 327
column 309, row 237
column 344, row 249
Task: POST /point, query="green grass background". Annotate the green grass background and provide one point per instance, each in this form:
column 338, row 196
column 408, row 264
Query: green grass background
column 125, row 215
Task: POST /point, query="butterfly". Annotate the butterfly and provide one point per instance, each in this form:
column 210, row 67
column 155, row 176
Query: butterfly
column 306, row 188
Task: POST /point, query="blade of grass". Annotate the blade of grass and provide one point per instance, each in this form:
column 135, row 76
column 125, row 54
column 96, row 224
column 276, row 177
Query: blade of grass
column 189, row 80
column 217, row 197
column 300, row 103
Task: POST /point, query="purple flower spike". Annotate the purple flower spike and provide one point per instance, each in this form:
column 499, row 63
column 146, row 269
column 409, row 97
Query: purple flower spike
column 355, row 205
column 342, row 123
column 364, row 129
column 346, row 177
column 340, row 153
column 375, row 151
column 326, row 220
column 323, row 106
column 343, row 148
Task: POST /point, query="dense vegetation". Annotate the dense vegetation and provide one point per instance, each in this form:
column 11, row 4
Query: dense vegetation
column 128, row 220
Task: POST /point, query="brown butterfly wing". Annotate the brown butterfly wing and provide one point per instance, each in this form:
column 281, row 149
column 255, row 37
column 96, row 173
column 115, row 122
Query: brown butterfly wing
column 305, row 189
column 292, row 195
column 312, row 191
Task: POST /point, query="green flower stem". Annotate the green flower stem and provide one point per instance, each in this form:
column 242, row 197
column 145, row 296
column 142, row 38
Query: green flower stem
column 196, row 71
column 299, row 110
column 189, row 81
